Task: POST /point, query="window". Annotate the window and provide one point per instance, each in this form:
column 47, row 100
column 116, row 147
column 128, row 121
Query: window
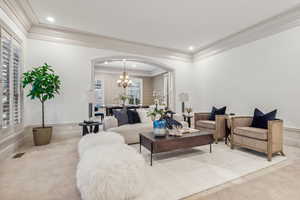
column 135, row 92
column 10, row 78
column 99, row 91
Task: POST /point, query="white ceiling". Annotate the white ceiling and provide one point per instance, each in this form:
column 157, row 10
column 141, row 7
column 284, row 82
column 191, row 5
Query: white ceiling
column 173, row 24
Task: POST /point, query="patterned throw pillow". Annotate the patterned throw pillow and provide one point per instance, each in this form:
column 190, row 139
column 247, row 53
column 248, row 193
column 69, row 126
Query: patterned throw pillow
column 143, row 115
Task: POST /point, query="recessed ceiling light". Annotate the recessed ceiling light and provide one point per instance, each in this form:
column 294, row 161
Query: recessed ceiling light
column 50, row 19
column 105, row 63
column 191, row 48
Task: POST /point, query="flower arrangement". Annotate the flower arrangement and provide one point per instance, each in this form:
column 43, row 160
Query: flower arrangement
column 164, row 115
column 156, row 112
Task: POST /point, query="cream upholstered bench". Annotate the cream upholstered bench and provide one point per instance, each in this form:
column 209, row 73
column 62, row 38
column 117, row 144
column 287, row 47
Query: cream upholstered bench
column 102, row 138
column 109, row 170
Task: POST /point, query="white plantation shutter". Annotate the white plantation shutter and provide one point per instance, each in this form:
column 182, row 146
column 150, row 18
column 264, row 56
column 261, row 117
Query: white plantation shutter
column 10, row 87
column 5, row 78
column 16, row 84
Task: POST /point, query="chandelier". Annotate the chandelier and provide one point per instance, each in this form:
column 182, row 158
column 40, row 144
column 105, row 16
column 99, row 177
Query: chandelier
column 124, row 80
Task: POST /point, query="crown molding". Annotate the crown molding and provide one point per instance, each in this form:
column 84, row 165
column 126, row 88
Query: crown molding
column 28, row 11
column 21, row 12
column 15, row 12
column 132, row 72
column 71, row 36
column 284, row 21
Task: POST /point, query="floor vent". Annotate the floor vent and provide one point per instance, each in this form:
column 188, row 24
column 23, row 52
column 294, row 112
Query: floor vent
column 18, row 155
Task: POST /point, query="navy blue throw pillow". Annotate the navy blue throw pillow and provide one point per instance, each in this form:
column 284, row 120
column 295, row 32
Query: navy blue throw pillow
column 215, row 111
column 133, row 117
column 260, row 120
column 121, row 116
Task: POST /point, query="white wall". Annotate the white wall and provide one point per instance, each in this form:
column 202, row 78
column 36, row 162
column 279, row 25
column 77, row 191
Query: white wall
column 73, row 65
column 158, row 84
column 263, row 74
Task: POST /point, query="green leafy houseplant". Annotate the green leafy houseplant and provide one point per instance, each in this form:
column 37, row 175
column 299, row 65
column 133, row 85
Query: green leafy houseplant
column 44, row 85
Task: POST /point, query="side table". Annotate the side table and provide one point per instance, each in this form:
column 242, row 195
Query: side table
column 228, row 127
column 89, row 127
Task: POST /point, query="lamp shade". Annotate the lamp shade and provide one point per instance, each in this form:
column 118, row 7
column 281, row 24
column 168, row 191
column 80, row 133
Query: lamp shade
column 183, row 97
column 91, row 96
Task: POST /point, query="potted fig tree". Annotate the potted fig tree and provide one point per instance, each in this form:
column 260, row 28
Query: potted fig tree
column 43, row 85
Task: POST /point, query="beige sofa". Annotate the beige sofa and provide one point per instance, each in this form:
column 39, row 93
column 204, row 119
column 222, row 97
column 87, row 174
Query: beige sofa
column 131, row 132
column 269, row 141
column 217, row 127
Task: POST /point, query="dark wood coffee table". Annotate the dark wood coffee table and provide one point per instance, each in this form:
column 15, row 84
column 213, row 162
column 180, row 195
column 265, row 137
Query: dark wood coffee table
column 170, row 143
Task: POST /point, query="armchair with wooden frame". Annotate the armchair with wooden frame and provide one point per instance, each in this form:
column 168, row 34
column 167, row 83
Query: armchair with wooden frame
column 217, row 127
column 269, row 141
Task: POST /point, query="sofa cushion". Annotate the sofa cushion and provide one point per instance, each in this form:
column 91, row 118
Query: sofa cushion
column 256, row 133
column 206, row 124
column 260, row 120
column 121, row 116
column 215, row 111
column 131, row 132
column 133, row 117
column 259, row 145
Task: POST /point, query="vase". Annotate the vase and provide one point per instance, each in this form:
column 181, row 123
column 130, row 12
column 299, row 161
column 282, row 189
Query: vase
column 159, row 128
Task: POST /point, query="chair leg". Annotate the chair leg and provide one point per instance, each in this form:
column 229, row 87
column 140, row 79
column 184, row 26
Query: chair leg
column 269, row 156
column 231, row 142
column 216, row 141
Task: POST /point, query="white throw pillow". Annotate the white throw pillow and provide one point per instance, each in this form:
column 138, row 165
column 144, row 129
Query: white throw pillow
column 143, row 115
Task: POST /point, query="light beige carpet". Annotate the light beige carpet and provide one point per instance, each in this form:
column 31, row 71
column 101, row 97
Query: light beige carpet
column 48, row 172
column 179, row 174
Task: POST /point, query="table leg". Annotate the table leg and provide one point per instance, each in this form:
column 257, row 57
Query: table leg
column 189, row 122
column 85, row 130
column 140, row 145
column 151, row 154
column 210, row 148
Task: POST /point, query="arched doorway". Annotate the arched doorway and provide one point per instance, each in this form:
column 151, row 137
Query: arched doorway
column 169, row 82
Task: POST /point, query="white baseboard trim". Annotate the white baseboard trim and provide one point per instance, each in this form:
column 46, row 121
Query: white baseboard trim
column 7, row 151
column 292, row 129
column 54, row 124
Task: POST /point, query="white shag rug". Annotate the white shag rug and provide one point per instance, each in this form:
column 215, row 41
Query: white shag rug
column 178, row 174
